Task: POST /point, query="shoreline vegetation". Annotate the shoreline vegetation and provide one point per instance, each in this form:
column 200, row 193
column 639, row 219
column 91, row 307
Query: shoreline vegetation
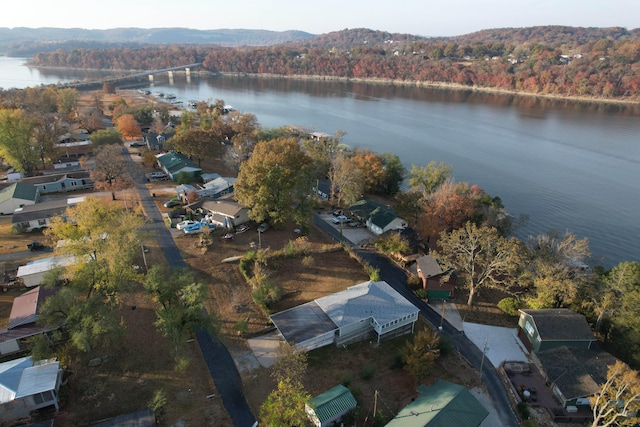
column 381, row 81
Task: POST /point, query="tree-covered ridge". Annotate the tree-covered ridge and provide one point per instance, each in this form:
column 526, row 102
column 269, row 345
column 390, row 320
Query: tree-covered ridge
column 596, row 63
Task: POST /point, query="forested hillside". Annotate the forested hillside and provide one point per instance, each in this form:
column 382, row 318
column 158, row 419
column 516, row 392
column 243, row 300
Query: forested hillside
column 564, row 61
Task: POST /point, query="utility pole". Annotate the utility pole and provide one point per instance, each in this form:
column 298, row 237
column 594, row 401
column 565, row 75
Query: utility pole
column 375, row 403
column 484, row 351
column 444, row 305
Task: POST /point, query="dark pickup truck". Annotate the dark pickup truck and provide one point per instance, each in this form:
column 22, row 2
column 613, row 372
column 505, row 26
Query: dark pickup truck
column 35, row 246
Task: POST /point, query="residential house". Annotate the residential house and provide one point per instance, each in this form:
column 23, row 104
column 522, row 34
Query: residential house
column 155, row 141
column 17, row 195
column 223, row 212
column 61, row 183
column 363, row 311
column 541, row 330
column 38, row 216
column 173, row 164
column 437, row 284
column 442, row 404
column 217, row 187
column 378, row 217
column 22, row 320
column 26, row 386
column 575, row 374
column 33, row 273
column 71, row 152
column 328, row 408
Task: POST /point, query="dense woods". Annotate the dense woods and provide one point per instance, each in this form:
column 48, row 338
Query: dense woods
column 564, row 61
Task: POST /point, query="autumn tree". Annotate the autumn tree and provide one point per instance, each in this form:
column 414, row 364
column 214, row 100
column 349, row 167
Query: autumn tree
column 198, row 143
column 15, row 140
column 372, row 169
column 481, row 256
column 322, row 150
column 110, row 171
column 128, row 126
column 273, row 181
column 617, row 403
column 244, row 127
column 92, row 121
column 447, row 208
column 555, row 269
column 346, row 178
column 67, row 101
column 421, row 353
column 181, row 303
column 285, row 406
column 103, row 241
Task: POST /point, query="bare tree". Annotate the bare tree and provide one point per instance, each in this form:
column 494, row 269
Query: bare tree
column 618, row 401
column 110, row 171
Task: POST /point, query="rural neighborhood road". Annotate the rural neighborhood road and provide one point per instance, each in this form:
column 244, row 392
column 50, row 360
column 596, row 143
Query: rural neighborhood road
column 397, row 278
column 221, row 366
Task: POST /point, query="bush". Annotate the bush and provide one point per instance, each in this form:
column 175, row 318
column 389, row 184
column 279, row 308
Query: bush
column 346, row 380
column 267, row 294
column 367, row 372
column 421, row 293
column 414, row 282
column 242, row 326
column 509, row 306
column 523, row 410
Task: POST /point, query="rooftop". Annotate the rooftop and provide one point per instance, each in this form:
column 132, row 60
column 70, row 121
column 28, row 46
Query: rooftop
column 560, row 324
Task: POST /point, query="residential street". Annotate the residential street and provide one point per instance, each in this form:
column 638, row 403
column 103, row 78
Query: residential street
column 397, row 278
column 221, row 366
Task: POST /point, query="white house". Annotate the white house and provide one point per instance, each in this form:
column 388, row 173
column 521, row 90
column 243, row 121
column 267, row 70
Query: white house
column 17, row 195
column 379, row 218
column 366, row 310
column 35, row 217
column 32, row 273
column 223, row 212
column 26, row 386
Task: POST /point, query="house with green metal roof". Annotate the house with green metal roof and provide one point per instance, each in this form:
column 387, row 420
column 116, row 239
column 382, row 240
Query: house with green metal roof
column 378, row 217
column 442, row 404
column 16, row 196
column 173, row 164
column 329, row 407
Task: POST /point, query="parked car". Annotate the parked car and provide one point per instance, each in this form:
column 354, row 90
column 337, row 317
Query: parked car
column 35, row 246
column 242, row 229
column 337, row 212
column 182, row 225
column 263, row 227
column 137, row 144
column 198, row 227
column 354, row 224
column 171, row 203
column 340, row 219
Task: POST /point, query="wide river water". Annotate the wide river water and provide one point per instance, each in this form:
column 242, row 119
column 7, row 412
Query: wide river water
column 566, row 165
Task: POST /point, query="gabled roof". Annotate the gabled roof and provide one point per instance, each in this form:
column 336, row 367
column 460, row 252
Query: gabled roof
column 22, row 377
column 44, row 265
column 443, row 404
column 44, row 210
column 578, row 372
column 378, row 213
column 174, row 162
column 377, row 300
column 19, row 190
column 44, row 179
column 332, row 403
column 560, row 324
column 226, row 207
column 25, row 307
column 428, row 266
column 220, row 184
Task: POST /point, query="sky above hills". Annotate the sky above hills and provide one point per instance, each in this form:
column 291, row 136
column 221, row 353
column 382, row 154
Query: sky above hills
column 418, row 17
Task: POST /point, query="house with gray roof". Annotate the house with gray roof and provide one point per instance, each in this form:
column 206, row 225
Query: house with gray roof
column 39, row 215
column 173, row 164
column 442, row 404
column 378, row 217
column 27, row 385
column 17, row 195
column 61, row 183
column 328, row 408
column 223, row 212
column 541, row 330
column 575, row 374
column 363, row 311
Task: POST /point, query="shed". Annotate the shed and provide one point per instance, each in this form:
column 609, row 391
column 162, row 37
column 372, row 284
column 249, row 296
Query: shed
column 442, row 404
column 541, row 330
column 329, row 407
column 437, row 284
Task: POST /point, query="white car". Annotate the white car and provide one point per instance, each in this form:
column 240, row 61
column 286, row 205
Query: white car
column 340, row 219
column 185, row 223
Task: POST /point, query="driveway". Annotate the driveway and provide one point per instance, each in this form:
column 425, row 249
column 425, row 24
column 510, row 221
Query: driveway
column 503, row 344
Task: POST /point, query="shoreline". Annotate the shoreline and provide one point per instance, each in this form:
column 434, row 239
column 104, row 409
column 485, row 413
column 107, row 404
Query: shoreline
column 424, row 84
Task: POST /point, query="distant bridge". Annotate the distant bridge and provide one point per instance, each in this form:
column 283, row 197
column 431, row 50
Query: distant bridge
column 136, row 76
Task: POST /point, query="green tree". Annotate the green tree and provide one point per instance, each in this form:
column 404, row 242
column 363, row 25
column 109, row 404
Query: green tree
column 481, row 256
column 15, row 140
column 106, row 137
column 420, row 354
column 426, row 179
column 273, row 181
column 394, row 173
column 181, row 300
column 198, row 143
column 618, row 401
column 67, row 100
column 46, row 131
column 103, row 241
column 347, row 180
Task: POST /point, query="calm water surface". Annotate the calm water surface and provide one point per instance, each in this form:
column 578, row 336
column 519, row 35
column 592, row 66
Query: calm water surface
column 567, row 166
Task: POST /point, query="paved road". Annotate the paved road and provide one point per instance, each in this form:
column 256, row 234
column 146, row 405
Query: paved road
column 397, row 278
column 221, row 366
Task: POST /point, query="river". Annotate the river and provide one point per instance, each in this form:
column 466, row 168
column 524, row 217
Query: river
column 566, row 165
